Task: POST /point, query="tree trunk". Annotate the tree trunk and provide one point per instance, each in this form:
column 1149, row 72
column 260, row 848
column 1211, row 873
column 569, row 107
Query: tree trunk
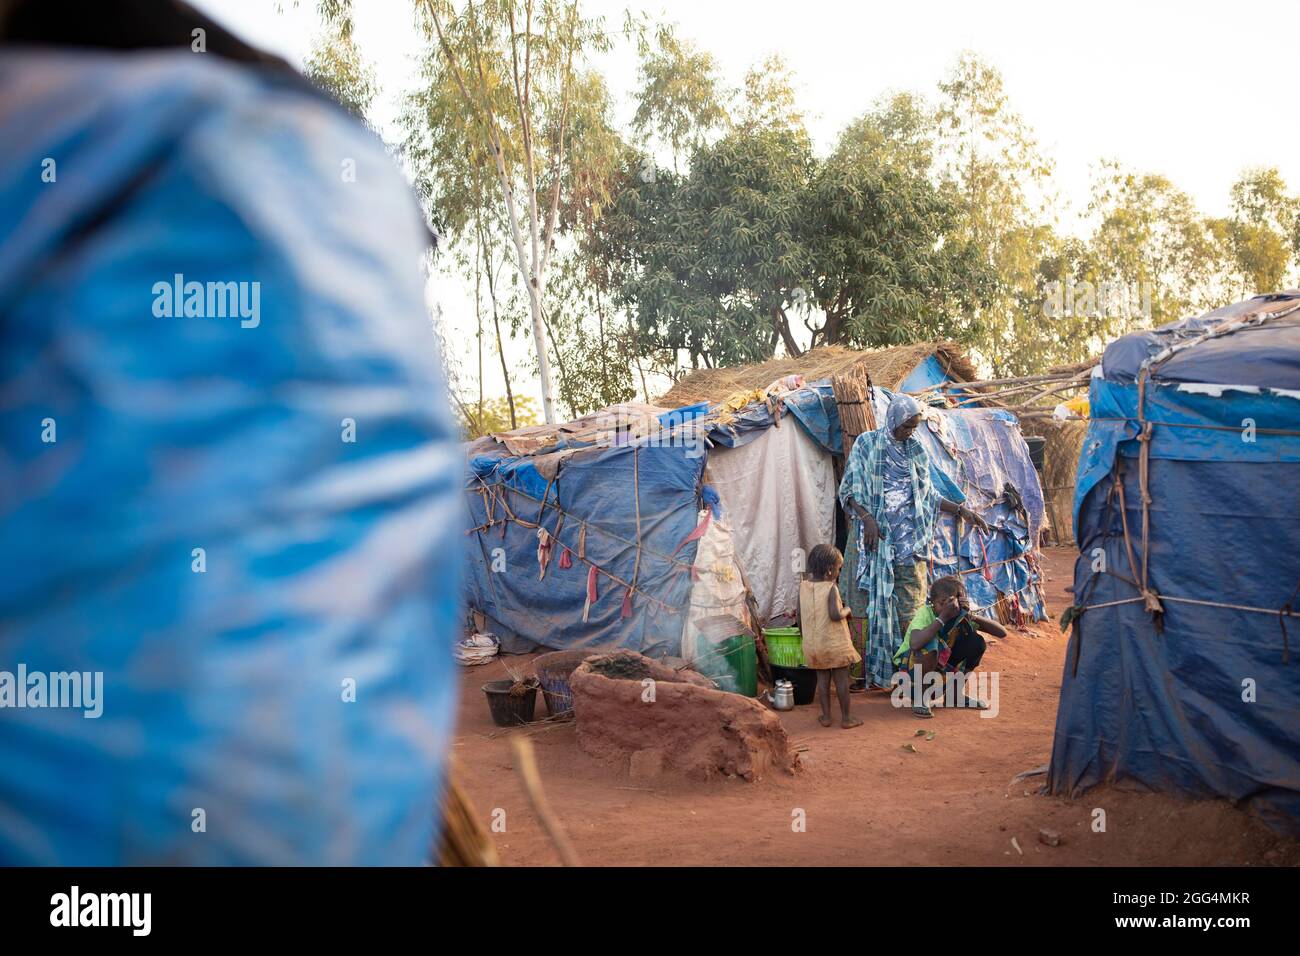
column 539, row 343
column 496, row 322
column 559, row 359
column 782, row 325
column 478, row 318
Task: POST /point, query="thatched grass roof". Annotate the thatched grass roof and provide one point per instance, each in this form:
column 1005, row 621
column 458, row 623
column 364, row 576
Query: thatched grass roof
column 887, row 368
column 1060, row 461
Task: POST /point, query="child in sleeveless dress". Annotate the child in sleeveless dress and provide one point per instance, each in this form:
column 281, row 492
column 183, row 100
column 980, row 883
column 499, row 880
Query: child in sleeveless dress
column 823, row 622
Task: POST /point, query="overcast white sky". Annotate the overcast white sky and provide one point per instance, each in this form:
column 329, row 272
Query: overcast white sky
column 1194, row 90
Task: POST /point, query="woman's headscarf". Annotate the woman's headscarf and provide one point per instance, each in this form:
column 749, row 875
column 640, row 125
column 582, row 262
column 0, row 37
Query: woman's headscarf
column 901, row 408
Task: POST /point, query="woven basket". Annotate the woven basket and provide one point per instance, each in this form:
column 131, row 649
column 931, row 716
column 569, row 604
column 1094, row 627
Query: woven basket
column 553, row 671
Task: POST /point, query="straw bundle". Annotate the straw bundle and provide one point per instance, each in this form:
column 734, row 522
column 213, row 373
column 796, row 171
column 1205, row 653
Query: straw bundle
column 1060, row 464
column 464, row 841
column 853, row 397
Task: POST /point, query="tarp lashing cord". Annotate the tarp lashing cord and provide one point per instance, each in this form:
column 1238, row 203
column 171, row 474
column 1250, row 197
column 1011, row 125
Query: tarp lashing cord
column 1150, row 599
column 499, row 491
column 1072, row 614
column 496, row 493
column 1287, row 610
column 636, row 563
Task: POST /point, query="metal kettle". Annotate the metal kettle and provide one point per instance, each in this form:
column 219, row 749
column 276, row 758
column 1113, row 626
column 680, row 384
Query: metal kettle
column 782, row 695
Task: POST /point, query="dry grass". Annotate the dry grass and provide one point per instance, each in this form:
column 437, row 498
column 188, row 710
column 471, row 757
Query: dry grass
column 1060, row 459
column 887, row 368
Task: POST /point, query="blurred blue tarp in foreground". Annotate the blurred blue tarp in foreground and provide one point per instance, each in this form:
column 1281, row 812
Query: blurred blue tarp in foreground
column 326, row 560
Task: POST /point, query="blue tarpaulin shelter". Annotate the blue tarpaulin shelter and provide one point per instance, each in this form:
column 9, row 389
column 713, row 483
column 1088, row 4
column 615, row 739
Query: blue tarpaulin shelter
column 604, row 476
column 1179, row 674
column 610, row 497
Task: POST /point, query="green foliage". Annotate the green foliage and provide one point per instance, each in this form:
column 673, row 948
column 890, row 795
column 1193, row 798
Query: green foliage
column 337, row 67
column 988, row 163
column 1263, row 235
column 768, row 101
column 859, row 245
column 888, row 265
column 1150, row 233
column 899, row 132
column 927, row 219
column 720, row 249
column 679, row 100
column 594, row 353
column 494, row 416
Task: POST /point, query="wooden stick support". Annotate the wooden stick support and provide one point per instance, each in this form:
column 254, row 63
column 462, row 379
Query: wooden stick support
column 526, row 764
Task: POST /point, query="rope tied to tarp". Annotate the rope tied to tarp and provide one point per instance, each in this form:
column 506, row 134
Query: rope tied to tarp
column 1075, row 611
column 1286, row 432
column 1287, row 610
column 497, row 493
column 1150, row 598
column 502, row 491
column 636, row 563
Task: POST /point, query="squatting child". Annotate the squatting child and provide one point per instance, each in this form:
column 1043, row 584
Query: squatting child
column 945, row 636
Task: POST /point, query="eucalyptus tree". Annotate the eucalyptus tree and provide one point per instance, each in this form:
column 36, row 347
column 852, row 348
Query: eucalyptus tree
column 513, row 66
column 679, row 99
column 990, row 163
column 336, row 65
column 1263, row 232
column 1151, row 244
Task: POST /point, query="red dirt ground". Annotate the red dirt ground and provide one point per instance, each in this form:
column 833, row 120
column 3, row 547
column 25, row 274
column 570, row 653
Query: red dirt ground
column 865, row 799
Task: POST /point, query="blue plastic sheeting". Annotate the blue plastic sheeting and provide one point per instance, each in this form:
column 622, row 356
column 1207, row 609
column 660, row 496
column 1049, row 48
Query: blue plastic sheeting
column 518, row 473
column 1163, row 706
column 1188, row 426
column 990, row 455
column 746, row 424
column 1165, row 709
column 594, row 489
column 1268, row 354
column 325, row 559
column 814, row 408
column 928, row 372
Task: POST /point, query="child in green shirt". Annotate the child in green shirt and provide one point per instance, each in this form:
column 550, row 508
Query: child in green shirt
column 945, row 636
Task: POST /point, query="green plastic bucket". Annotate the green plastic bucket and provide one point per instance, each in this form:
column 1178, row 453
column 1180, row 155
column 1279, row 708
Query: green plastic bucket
column 784, row 646
column 733, row 663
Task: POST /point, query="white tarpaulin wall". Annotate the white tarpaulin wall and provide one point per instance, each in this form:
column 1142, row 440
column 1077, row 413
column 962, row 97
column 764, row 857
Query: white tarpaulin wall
column 778, row 495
